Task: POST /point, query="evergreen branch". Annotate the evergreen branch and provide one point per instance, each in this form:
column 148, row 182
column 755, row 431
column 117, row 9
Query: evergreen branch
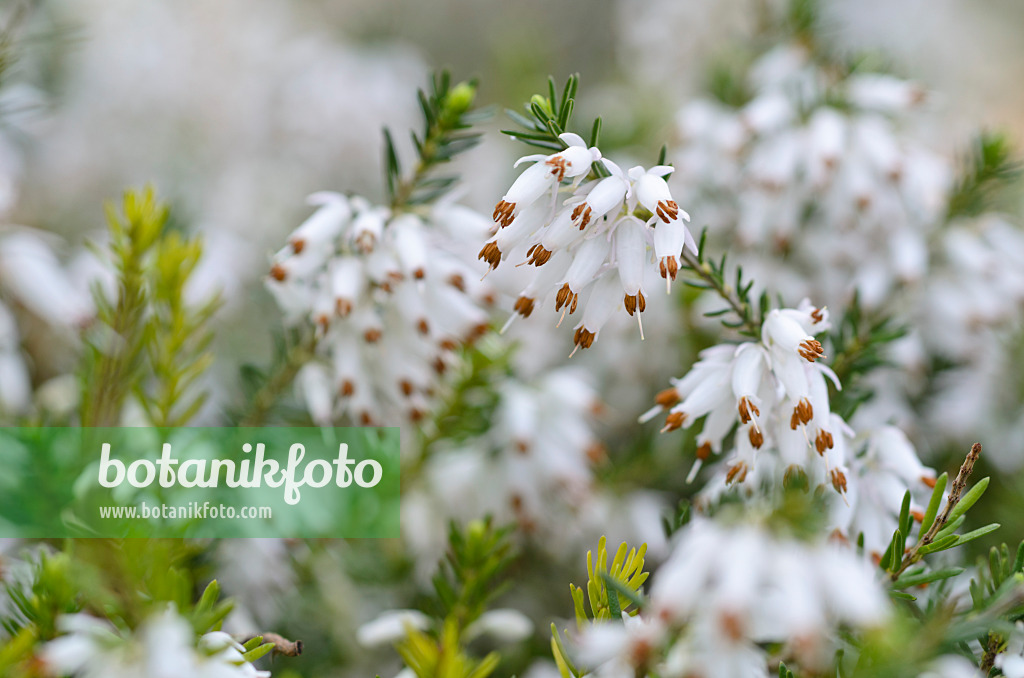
column 282, row 377
column 749, row 317
column 548, row 117
column 858, row 343
column 988, row 169
column 446, row 115
column 113, row 366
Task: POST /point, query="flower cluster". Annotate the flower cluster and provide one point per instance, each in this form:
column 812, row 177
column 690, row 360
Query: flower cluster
column 727, row 590
column 832, row 170
column 165, row 647
column 391, row 299
column 536, row 460
column 773, row 397
column 819, row 169
column 588, row 234
column 773, row 391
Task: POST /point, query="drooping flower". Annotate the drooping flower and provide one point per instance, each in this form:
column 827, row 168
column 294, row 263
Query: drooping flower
column 391, row 298
column 773, row 393
column 593, row 248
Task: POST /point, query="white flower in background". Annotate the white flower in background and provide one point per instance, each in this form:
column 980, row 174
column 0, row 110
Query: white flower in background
column 15, row 381
column 1011, row 662
column 258, row 592
column 773, row 393
column 34, row 282
column 956, row 666
column 743, row 585
column 878, row 477
column 828, row 183
column 391, row 297
column 504, row 625
column 391, row 626
column 32, row 276
column 164, row 647
column 724, row 592
column 586, row 238
column 536, row 462
column 610, row 649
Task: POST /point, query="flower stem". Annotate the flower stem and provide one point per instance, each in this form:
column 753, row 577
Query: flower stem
column 280, row 380
column 740, row 308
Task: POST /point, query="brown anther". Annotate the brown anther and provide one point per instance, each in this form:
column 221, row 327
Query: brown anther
column 929, row 481
column 917, row 515
column 365, row 419
column 478, row 331
column 673, row 421
column 823, row 441
column 448, row 344
column 538, row 256
column 566, row 297
column 669, row 267
column 522, row 446
column 503, row 213
column 323, row 321
column 559, row 165
column 744, row 412
column 372, row 335
column 596, row 453
column 816, row 316
column 838, row 480
column 737, row 473
column 876, row 557
column 491, row 254
column 803, row 411
column 863, row 202
column 298, row 244
column 423, row 326
column 457, row 281
column 440, row 366
column 416, row 414
column 794, row 420
column 406, row 387
column 837, row 535
column 704, row 450
column 639, row 653
column 347, row 388
column 524, row 306
column 386, row 286
column 342, row 307
column 667, row 398
column 756, row 437
column 667, row 210
column 635, row 302
column 810, row 350
column 516, row 501
column 489, row 299
column 419, row 274
column 278, row 273
column 732, row 625
column 582, row 212
column 584, row 338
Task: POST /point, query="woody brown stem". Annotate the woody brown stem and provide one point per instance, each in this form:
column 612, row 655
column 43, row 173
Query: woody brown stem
column 952, row 499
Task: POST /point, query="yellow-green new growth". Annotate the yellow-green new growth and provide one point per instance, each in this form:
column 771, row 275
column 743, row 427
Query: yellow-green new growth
column 444, row 657
column 624, row 577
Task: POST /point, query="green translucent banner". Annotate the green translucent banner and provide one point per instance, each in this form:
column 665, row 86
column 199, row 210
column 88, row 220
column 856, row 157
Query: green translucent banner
column 199, row 482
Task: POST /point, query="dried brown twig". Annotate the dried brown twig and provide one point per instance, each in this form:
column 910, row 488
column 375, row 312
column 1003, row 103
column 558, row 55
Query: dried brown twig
column 283, row 646
column 952, row 499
